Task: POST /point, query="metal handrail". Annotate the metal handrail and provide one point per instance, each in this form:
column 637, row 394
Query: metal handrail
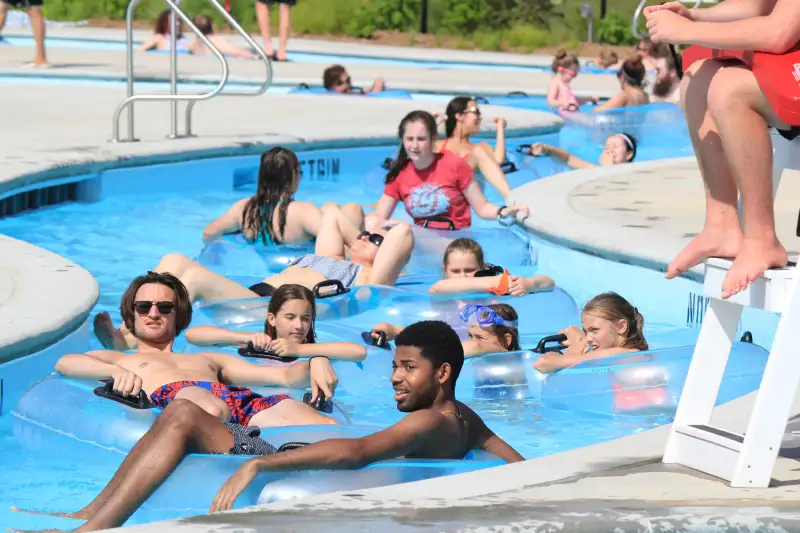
column 260, row 51
column 638, row 13
column 166, row 97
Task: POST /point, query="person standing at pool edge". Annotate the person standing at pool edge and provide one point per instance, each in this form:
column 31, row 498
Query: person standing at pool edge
column 427, row 361
column 285, row 24
column 728, row 116
column 33, row 8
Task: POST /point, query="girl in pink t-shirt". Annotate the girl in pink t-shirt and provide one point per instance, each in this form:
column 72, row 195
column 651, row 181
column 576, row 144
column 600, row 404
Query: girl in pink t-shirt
column 434, row 186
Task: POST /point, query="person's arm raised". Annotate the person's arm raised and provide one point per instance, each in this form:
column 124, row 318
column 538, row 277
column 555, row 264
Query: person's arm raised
column 229, row 222
column 401, row 439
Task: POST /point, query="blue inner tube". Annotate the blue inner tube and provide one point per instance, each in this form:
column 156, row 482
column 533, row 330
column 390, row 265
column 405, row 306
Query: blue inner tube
column 389, row 93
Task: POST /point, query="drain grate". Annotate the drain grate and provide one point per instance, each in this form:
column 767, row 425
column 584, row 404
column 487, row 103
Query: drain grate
column 27, row 200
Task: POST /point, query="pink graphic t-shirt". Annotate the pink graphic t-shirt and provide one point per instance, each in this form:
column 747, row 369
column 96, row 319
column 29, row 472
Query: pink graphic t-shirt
column 435, row 191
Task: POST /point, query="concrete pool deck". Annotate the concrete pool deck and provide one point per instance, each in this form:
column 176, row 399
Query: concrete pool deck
column 110, row 64
column 617, row 485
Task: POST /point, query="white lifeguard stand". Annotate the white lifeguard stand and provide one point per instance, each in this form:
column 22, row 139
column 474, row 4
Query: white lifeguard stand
column 744, row 460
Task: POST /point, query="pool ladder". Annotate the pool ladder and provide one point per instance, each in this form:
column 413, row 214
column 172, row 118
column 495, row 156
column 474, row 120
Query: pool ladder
column 174, row 96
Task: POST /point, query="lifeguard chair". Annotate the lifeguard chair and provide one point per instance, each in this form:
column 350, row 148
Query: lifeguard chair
column 745, row 460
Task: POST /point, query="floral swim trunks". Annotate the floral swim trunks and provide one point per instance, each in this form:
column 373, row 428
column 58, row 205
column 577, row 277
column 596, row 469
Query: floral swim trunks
column 243, row 403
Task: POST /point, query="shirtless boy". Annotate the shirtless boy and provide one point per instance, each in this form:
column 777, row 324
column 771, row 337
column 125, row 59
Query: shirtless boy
column 156, row 307
column 427, row 361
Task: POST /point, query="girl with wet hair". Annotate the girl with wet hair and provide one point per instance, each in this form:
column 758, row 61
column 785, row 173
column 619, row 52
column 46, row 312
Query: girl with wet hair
column 463, row 259
column 631, row 80
column 618, row 148
column 288, row 330
column 463, row 119
column 160, row 39
column 610, row 326
column 492, row 329
column 272, row 215
column 433, row 185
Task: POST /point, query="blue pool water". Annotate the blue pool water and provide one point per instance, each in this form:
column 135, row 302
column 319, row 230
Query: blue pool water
column 129, row 230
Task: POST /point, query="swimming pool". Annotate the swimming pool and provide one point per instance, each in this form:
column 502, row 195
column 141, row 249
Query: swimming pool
column 127, row 231
column 301, row 57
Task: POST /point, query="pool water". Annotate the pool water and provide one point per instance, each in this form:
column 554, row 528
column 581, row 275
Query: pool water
column 124, row 235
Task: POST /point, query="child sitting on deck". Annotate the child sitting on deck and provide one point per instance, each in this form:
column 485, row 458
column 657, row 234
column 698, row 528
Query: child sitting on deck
column 728, row 114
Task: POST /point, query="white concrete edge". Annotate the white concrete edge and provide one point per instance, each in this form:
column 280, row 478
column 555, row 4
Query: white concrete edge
column 553, row 218
column 46, row 298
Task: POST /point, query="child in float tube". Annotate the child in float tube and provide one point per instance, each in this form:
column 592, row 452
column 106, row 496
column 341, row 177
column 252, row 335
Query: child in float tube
column 463, row 259
column 492, row 329
column 431, row 184
column 618, row 148
column 559, row 94
column 288, row 330
column 610, row 326
column 272, row 215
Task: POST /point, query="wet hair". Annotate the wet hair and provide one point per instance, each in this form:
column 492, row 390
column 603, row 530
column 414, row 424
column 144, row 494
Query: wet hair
column 608, row 57
column 632, row 70
column 204, row 24
column 564, row 60
column 278, row 173
column 287, row 293
column 463, row 244
column 506, row 312
column 437, row 342
column 162, row 24
column 183, row 303
column 402, row 157
column 457, row 105
column 611, row 306
column 630, row 144
column 331, row 76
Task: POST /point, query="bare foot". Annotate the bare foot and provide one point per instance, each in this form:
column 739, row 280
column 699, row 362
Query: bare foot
column 41, row 513
column 753, row 259
column 9, row 530
column 110, row 337
column 711, row 242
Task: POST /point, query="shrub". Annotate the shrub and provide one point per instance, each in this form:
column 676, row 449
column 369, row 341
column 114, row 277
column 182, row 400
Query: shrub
column 615, row 29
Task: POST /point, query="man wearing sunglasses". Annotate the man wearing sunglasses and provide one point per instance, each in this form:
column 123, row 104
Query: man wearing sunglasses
column 156, row 307
column 335, row 78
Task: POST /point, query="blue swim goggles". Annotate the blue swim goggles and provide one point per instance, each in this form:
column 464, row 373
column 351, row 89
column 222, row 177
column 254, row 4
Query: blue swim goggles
column 484, row 316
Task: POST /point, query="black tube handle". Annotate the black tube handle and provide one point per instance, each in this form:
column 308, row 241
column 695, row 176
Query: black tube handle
column 524, row 149
column 255, row 353
column 338, row 288
column 380, row 342
column 321, row 404
column 543, row 348
column 140, row 401
column 438, row 218
column 517, row 94
column 508, row 167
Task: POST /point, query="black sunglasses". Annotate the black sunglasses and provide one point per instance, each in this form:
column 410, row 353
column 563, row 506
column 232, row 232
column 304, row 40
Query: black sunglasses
column 143, row 307
column 374, row 238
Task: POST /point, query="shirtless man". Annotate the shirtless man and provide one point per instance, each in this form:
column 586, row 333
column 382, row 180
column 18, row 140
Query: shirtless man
column 156, row 308
column 426, row 365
